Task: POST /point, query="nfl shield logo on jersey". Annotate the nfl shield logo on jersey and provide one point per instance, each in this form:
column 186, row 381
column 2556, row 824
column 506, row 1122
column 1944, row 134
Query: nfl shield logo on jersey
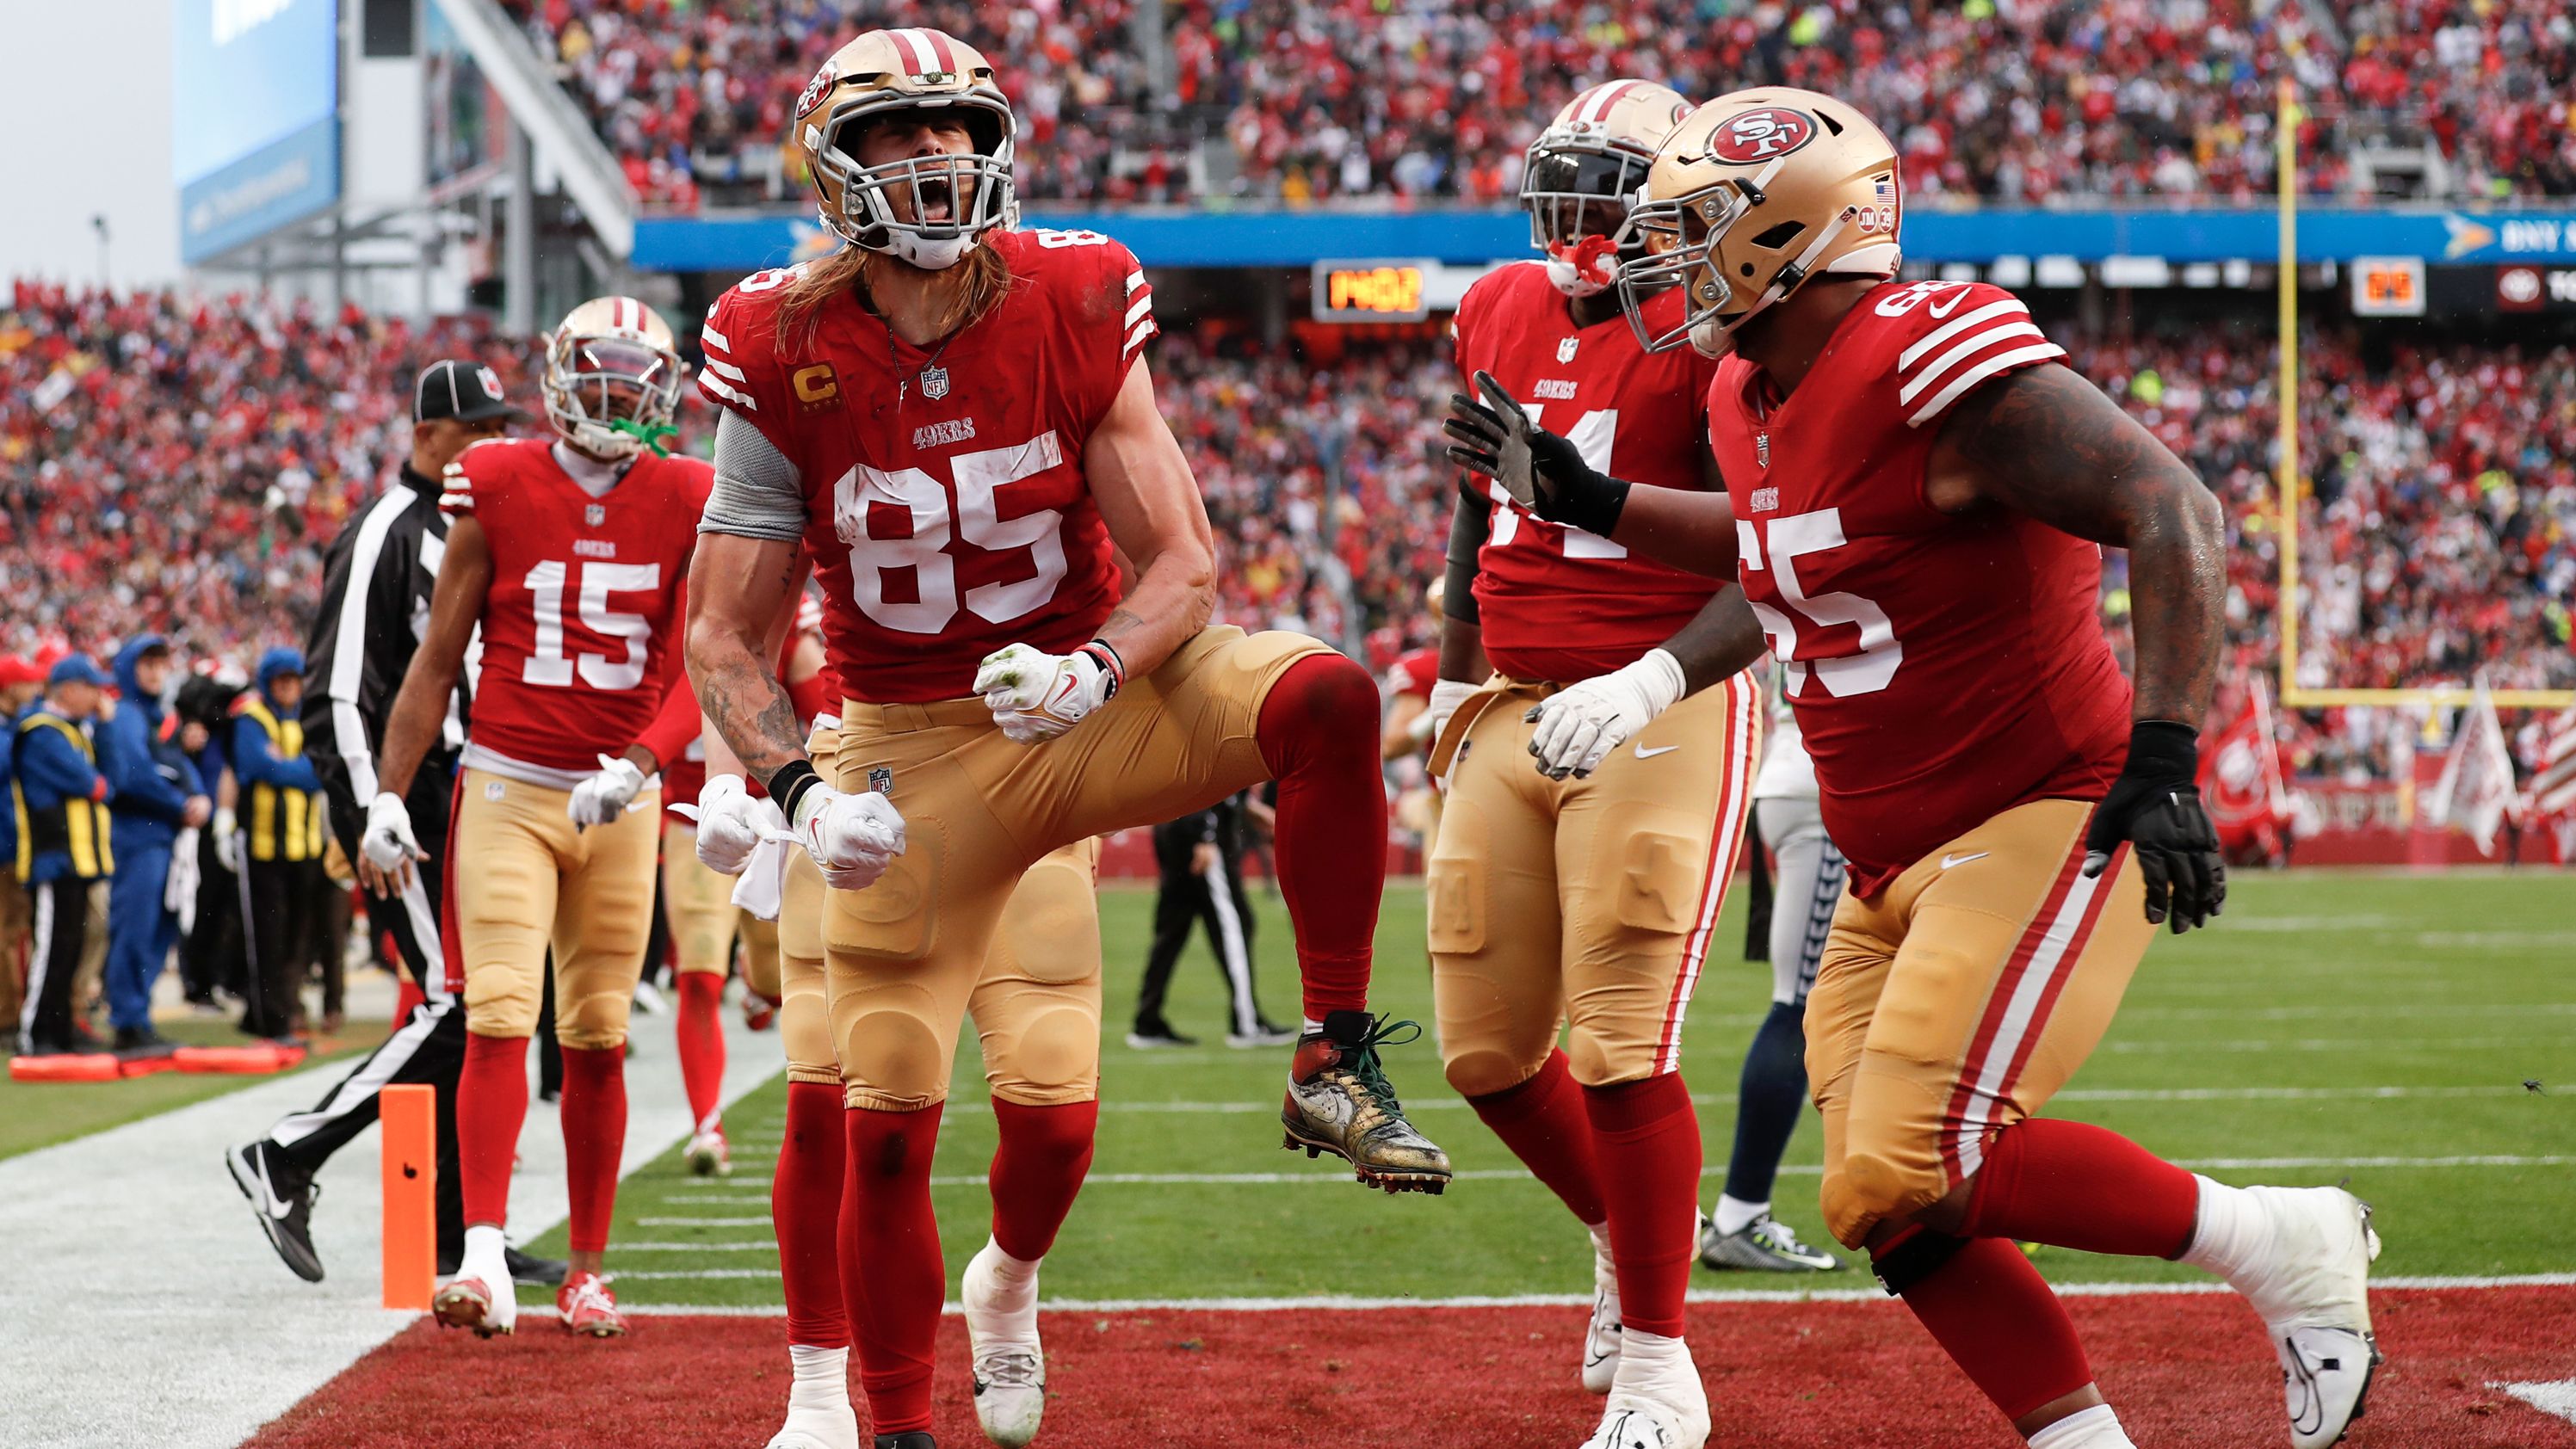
column 595, row 515
column 1565, row 349
column 934, row 383
column 1762, row 449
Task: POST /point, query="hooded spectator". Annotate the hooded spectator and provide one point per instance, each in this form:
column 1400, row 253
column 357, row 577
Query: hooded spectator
column 159, row 797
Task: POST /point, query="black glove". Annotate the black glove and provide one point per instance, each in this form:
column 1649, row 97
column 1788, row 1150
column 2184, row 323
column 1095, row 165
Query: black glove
column 2155, row 807
column 1540, row 470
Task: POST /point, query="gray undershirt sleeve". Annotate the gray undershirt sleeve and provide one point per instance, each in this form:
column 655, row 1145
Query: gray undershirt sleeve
column 758, row 493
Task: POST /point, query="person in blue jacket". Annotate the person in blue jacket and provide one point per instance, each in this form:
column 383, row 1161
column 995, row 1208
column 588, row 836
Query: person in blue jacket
column 279, row 810
column 59, row 800
column 214, row 955
column 156, row 794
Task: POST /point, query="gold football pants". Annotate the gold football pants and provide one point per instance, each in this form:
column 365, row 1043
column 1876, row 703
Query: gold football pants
column 526, row 880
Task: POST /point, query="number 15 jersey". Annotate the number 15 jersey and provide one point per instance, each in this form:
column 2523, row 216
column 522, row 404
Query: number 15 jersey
column 1943, row 668
column 945, row 502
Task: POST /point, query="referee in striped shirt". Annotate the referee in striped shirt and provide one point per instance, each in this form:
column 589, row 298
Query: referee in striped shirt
column 376, row 584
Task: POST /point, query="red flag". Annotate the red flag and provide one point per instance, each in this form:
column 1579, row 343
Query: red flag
column 2240, row 774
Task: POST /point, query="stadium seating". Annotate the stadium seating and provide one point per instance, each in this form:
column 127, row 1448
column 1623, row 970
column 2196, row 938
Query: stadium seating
column 1311, row 100
column 179, row 466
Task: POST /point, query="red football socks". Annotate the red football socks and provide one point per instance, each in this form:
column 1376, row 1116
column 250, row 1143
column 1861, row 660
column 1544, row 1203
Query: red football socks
column 1037, row 1170
column 702, row 1044
column 1544, row 1123
column 1994, row 1315
column 805, row 1206
column 491, row 1103
column 1646, row 1139
column 2072, row 1185
column 892, row 1277
column 594, row 1134
column 1318, row 733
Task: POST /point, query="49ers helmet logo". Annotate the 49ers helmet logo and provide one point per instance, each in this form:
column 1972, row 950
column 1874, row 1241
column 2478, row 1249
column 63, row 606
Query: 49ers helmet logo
column 1759, row 135
column 817, row 88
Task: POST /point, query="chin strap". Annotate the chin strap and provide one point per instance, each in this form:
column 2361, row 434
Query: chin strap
column 651, row 435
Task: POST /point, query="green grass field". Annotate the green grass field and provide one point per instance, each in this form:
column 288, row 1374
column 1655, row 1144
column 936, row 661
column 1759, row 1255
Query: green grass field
column 34, row 1115
column 2376, row 1027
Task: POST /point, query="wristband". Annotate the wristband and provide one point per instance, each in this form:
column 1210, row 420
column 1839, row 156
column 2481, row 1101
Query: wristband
column 1112, row 667
column 2164, row 750
column 1594, row 505
column 789, row 782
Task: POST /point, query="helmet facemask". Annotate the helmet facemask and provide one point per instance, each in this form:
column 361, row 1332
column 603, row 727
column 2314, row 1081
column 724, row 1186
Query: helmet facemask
column 609, row 396
column 1688, row 242
column 1577, row 194
column 931, row 210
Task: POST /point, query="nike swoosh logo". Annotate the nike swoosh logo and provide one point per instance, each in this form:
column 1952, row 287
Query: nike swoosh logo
column 1646, row 754
column 1947, row 305
column 1064, row 691
column 1948, row 861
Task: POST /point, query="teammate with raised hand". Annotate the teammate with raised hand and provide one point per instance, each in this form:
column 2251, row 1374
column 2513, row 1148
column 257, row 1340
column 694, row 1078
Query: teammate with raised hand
column 1583, row 893
column 1917, row 495
column 570, row 553
column 955, row 417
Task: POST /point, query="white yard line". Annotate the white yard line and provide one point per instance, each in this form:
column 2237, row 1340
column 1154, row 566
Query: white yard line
column 1340, row 1303
column 144, row 1306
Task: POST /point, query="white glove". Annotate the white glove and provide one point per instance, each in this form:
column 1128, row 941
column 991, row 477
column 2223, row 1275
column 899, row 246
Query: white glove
column 1037, row 696
column 1446, row 696
column 731, row 823
column 853, row 838
column 605, row 796
column 389, row 845
column 228, row 838
column 1579, row 727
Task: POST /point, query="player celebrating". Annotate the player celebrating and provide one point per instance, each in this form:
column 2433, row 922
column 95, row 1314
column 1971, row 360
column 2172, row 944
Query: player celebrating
column 571, row 555
column 1583, row 893
column 1916, row 496
column 956, row 418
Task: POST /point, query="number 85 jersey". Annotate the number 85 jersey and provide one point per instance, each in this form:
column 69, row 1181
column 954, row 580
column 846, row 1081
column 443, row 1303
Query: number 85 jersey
column 1943, row 667
column 945, row 502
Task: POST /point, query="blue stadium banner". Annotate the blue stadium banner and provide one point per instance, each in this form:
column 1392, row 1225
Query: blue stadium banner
column 255, row 100
column 1300, row 238
column 283, row 182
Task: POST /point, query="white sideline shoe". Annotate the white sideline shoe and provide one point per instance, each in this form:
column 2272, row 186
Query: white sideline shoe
column 2301, row 1257
column 1002, row 1337
column 1601, row 1335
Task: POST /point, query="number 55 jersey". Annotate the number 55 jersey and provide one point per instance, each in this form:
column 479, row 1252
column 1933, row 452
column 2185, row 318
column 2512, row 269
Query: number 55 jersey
column 1944, row 667
column 948, row 512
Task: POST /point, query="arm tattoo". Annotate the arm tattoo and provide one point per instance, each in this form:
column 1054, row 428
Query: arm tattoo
column 752, row 712
column 2047, row 443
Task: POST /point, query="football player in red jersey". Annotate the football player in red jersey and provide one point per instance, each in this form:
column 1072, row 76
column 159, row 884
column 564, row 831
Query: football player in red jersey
column 1582, row 895
column 1917, row 495
column 570, row 555
column 954, row 416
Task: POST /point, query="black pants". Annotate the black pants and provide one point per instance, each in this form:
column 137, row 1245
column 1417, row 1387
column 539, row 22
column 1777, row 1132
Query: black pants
column 214, row 955
column 1215, row 900
column 60, row 929
column 283, row 907
column 428, row 1047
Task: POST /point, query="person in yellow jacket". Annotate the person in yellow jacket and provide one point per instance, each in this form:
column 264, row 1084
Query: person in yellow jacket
column 58, row 803
column 280, row 815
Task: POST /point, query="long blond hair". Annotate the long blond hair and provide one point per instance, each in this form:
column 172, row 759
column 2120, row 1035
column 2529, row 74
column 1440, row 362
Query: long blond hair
column 988, row 281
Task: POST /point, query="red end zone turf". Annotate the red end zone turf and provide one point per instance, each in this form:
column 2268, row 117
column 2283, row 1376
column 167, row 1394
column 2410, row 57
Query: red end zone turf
column 2185, row 1370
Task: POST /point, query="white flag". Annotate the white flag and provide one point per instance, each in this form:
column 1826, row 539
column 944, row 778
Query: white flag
column 2477, row 780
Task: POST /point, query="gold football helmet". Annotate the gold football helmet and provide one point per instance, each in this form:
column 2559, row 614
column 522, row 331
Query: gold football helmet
column 612, row 378
column 1581, row 171
column 1750, row 196
column 952, row 200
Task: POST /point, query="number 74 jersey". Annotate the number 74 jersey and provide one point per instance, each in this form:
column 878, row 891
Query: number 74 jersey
column 1943, row 667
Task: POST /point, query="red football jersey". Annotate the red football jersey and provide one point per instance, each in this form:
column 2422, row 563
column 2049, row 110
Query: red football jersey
column 946, row 506
column 1943, row 667
column 581, row 624
column 1559, row 603
column 1415, row 673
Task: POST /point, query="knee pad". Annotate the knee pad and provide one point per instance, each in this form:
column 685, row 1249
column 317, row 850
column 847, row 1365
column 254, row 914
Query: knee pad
column 1482, row 1072
column 805, row 1034
column 502, row 1002
column 892, row 1057
column 1870, row 1189
column 1055, row 1058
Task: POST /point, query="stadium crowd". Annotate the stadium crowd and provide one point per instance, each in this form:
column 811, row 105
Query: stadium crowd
column 1316, row 99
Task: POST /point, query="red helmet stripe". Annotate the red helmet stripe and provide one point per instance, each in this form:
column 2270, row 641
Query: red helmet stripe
column 916, row 51
column 939, row 45
column 1602, row 98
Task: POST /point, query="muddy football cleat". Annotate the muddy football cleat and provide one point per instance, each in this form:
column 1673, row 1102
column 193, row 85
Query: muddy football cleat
column 708, row 1154
column 587, row 1307
column 468, row 1300
column 1762, row 1246
column 1340, row 1102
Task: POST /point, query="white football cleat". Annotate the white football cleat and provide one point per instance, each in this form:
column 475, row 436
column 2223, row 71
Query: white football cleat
column 1002, row 1337
column 2304, row 1261
column 1657, row 1400
column 816, row 1429
column 468, row 1300
column 1601, row 1334
column 708, row 1153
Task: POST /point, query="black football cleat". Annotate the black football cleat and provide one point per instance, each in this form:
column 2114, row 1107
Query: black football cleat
column 281, row 1197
